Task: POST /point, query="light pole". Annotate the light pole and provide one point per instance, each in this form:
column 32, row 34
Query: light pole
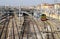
column 19, row 12
column 58, row 14
column 49, row 12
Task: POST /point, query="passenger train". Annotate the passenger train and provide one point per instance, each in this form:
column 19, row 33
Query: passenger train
column 43, row 17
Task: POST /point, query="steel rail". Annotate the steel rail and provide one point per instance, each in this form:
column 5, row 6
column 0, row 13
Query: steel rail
column 2, row 29
column 51, row 30
column 13, row 29
column 38, row 29
column 17, row 29
column 6, row 29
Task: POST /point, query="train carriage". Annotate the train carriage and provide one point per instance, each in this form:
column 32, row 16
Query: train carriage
column 43, row 17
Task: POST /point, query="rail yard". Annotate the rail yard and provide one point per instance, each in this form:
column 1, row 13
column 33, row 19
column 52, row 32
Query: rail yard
column 14, row 26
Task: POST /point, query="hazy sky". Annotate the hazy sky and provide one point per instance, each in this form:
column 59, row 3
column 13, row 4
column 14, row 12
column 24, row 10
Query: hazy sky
column 25, row 2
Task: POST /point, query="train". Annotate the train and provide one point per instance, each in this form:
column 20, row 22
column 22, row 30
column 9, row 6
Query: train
column 43, row 17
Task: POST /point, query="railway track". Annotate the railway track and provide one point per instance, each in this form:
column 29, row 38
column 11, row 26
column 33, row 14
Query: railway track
column 29, row 30
column 53, row 34
column 25, row 29
column 36, row 34
column 4, row 29
column 49, row 34
column 38, row 31
column 13, row 30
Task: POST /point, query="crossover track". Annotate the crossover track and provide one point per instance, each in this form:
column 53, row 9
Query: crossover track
column 29, row 30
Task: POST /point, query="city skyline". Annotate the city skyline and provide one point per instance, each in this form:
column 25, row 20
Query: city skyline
column 26, row 2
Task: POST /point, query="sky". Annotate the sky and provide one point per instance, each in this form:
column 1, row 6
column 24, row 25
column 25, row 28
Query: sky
column 25, row 2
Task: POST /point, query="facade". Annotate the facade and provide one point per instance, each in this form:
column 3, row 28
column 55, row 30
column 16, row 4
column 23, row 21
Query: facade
column 57, row 5
column 38, row 7
column 57, row 10
column 47, row 8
